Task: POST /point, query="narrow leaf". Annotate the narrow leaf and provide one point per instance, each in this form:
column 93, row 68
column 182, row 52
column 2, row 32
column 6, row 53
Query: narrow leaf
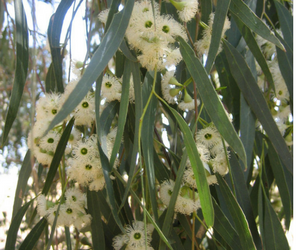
column 109, row 187
column 14, row 227
column 217, row 28
column 24, row 175
column 257, row 102
column 211, row 100
column 138, row 113
column 274, row 237
column 21, row 67
column 239, row 9
column 54, row 31
column 225, row 229
column 34, row 235
column 239, row 219
column 68, row 238
column 168, row 221
column 122, row 111
column 50, row 80
column 285, row 62
column 257, row 53
column 147, row 143
column 286, row 23
column 281, row 182
column 60, row 150
column 94, row 206
column 103, row 54
column 198, row 169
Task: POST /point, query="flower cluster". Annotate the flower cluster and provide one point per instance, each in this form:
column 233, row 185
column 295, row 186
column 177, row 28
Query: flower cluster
column 152, row 35
column 72, row 210
column 135, row 237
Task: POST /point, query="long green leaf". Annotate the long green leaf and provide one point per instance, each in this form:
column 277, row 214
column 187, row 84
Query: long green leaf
column 198, row 169
column 257, row 53
column 286, row 23
column 24, row 175
column 168, row 221
column 94, row 206
column 21, row 67
column 68, row 238
column 34, row 235
column 60, row 150
column 252, row 21
column 103, row 54
column 109, row 187
column 138, row 113
column 239, row 219
column 211, row 100
column 280, row 178
column 243, row 198
column 14, row 227
column 217, row 28
column 285, row 62
column 54, row 31
column 147, row 143
column 274, row 236
column 50, row 80
column 257, row 102
column 122, row 111
column 225, row 229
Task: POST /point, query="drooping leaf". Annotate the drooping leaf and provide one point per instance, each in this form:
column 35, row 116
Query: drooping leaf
column 138, row 113
column 14, row 227
column 211, row 100
column 167, row 223
column 94, row 206
column 147, row 142
column 252, row 44
column 109, row 187
column 54, row 32
column 21, row 69
column 225, row 229
column 60, row 149
column 281, row 182
column 122, row 111
column 34, row 235
column 286, row 23
column 100, row 59
column 285, row 62
column 274, row 236
column 24, row 175
column 198, row 169
column 217, row 28
column 252, row 21
column 257, row 102
column 239, row 219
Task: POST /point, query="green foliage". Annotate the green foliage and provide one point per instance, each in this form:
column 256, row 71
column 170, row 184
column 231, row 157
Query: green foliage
column 173, row 133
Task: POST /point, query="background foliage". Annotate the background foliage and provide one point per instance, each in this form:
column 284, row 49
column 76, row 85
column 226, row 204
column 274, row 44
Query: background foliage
column 250, row 208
